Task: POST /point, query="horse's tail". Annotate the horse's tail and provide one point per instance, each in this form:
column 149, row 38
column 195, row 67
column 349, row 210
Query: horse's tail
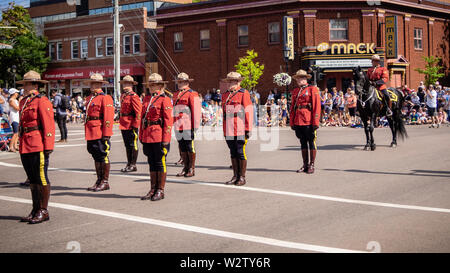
column 398, row 117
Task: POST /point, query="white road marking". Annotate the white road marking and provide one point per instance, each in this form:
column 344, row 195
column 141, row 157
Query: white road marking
column 245, row 188
column 190, row 228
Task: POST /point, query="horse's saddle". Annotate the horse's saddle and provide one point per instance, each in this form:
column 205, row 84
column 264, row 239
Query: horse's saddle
column 392, row 95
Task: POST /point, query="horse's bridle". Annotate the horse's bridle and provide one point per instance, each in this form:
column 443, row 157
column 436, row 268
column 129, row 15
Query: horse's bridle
column 360, row 89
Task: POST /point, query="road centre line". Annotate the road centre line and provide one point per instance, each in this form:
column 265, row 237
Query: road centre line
column 191, row 228
column 269, row 191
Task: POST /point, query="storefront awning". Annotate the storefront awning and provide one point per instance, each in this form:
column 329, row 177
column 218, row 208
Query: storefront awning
column 86, row 72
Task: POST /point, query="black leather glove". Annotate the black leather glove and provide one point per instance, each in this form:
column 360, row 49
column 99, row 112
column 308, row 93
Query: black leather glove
column 248, row 134
column 47, row 152
column 315, row 127
column 105, row 138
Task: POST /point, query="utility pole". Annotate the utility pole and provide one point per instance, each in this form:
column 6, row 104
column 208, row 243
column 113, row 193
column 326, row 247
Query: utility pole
column 116, row 54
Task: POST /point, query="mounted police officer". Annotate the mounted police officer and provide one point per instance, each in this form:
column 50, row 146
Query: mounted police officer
column 155, row 134
column 379, row 76
column 186, row 120
column 237, row 125
column 130, row 120
column 305, row 118
column 98, row 128
column 37, row 140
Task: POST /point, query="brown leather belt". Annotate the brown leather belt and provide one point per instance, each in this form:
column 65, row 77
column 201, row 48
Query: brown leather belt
column 308, row 106
column 126, row 115
column 149, row 123
column 92, row 118
column 28, row 129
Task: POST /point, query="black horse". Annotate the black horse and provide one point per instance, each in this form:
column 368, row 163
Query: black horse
column 370, row 107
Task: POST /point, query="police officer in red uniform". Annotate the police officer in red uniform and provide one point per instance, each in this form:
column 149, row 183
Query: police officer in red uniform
column 155, row 134
column 130, row 120
column 37, row 140
column 237, row 125
column 380, row 77
column 186, row 120
column 98, row 128
column 305, row 118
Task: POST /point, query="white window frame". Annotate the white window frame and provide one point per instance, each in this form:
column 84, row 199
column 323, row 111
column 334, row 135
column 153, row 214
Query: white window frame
column 97, row 54
column 58, row 56
column 417, row 38
column 129, row 44
column 175, row 42
column 269, row 33
column 338, row 29
column 134, row 47
column 81, row 49
column 239, row 36
column 52, row 58
column 71, row 49
column 209, row 39
column 106, row 46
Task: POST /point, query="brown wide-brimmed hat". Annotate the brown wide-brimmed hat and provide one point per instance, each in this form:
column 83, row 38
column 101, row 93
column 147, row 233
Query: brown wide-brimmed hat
column 128, row 79
column 301, row 74
column 183, row 77
column 376, row 57
column 96, row 77
column 233, row 76
column 31, row 76
column 155, row 78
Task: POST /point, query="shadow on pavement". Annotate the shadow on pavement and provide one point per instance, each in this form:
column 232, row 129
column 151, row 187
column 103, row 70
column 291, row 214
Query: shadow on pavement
column 13, row 218
column 412, row 173
column 95, row 194
column 332, row 147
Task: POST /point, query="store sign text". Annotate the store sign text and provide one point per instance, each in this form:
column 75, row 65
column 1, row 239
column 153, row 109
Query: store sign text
column 341, row 48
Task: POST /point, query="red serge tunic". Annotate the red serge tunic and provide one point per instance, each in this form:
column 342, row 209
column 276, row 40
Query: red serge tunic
column 237, row 112
column 130, row 111
column 380, row 75
column 100, row 107
column 187, row 110
column 305, row 106
column 157, row 120
column 37, row 125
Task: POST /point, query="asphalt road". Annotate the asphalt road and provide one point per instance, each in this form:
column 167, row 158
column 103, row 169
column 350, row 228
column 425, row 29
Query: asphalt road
column 389, row 200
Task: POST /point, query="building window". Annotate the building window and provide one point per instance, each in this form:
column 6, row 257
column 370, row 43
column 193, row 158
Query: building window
column 99, row 47
column 74, row 49
column 126, row 44
column 59, row 51
column 243, row 35
column 84, row 48
column 204, row 39
column 109, row 46
column 338, row 29
column 418, row 39
column 52, row 51
column 178, row 41
column 136, row 44
column 274, row 33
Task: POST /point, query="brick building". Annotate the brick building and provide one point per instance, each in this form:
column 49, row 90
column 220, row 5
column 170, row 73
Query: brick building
column 206, row 39
column 81, row 41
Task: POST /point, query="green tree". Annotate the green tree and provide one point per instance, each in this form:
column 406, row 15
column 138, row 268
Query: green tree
column 431, row 70
column 29, row 50
column 250, row 71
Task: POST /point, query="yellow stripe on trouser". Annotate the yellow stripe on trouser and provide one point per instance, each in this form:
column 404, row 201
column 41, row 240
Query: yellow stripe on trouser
column 193, row 148
column 135, row 140
column 42, row 168
column 315, row 137
column 243, row 150
column 164, row 159
column 107, row 152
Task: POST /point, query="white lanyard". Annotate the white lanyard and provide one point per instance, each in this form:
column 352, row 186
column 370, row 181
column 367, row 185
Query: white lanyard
column 87, row 108
column 149, row 104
